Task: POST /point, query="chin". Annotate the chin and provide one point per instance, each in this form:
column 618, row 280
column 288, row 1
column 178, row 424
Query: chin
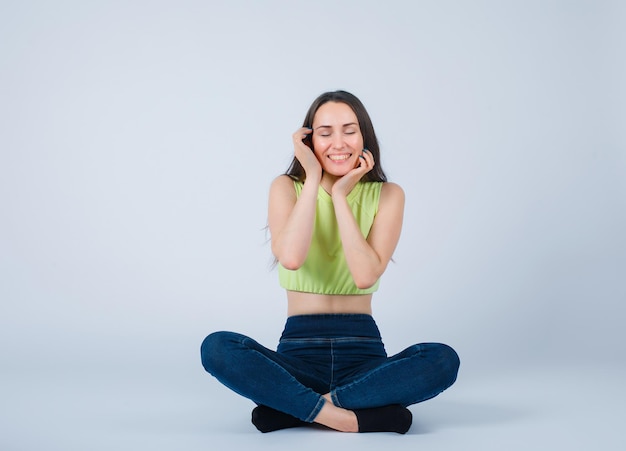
column 339, row 172
column 336, row 173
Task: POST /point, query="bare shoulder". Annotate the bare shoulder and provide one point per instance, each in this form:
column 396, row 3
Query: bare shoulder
column 391, row 193
column 282, row 190
column 282, row 184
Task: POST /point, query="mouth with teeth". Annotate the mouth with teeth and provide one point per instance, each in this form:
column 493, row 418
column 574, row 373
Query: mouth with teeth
column 339, row 158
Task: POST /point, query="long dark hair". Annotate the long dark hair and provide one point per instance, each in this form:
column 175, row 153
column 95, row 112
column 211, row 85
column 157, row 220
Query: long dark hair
column 370, row 142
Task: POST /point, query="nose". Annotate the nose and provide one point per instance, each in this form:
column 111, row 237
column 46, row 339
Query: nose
column 337, row 141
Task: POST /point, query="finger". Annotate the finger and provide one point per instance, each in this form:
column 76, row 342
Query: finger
column 369, row 157
column 366, row 158
column 364, row 166
column 302, row 133
column 366, row 162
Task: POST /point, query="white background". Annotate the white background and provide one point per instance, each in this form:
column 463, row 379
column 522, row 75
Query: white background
column 137, row 144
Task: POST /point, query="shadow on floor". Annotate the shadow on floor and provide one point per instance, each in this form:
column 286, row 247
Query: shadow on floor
column 433, row 416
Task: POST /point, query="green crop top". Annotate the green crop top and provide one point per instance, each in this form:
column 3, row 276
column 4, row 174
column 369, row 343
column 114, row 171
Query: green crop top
column 325, row 270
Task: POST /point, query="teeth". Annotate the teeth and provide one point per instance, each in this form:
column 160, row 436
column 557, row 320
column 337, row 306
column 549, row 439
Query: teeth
column 339, row 157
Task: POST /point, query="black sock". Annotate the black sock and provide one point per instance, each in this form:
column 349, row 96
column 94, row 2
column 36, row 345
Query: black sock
column 267, row 419
column 393, row 418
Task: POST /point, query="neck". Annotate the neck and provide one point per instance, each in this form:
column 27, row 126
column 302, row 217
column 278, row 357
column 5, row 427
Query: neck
column 327, row 182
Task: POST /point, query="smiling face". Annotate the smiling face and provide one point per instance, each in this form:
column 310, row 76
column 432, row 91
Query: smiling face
column 337, row 139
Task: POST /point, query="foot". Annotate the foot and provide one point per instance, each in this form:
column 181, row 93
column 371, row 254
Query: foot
column 392, row 418
column 267, row 419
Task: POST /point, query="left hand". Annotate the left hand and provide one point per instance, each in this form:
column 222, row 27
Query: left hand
column 344, row 185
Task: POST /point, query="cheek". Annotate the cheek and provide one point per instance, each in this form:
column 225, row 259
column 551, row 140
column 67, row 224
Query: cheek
column 319, row 145
column 357, row 162
column 356, row 142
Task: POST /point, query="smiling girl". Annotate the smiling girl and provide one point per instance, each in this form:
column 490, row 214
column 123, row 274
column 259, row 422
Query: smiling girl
column 335, row 222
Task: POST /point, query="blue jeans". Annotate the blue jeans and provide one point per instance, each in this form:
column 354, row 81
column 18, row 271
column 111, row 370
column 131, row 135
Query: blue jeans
column 338, row 354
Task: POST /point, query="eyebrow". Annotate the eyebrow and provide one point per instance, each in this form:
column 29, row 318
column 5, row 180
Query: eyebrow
column 344, row 125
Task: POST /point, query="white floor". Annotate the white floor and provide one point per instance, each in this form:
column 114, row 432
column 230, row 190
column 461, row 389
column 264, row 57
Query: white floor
column 540, row 408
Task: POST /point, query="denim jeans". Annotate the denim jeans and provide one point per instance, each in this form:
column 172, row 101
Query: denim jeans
column 338, row 354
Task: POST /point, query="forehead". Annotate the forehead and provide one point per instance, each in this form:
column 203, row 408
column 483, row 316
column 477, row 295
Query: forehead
column 334, row 113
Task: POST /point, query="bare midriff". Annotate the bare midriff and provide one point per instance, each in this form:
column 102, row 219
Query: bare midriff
column 299, row 303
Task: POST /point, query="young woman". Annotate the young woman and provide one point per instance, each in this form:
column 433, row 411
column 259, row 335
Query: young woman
column 334, row 222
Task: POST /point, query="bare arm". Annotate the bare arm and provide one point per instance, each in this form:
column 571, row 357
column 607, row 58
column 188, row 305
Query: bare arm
column 291, row 218
column 367, row 258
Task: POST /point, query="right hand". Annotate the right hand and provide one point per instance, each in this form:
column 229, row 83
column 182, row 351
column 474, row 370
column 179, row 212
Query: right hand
column 305, row 154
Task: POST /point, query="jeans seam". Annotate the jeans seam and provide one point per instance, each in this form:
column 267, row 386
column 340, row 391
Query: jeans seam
column 316, row 410
column 363, row 379
column 320, row 403
column 330, row 340
column 332, row 366
column 334, row 399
